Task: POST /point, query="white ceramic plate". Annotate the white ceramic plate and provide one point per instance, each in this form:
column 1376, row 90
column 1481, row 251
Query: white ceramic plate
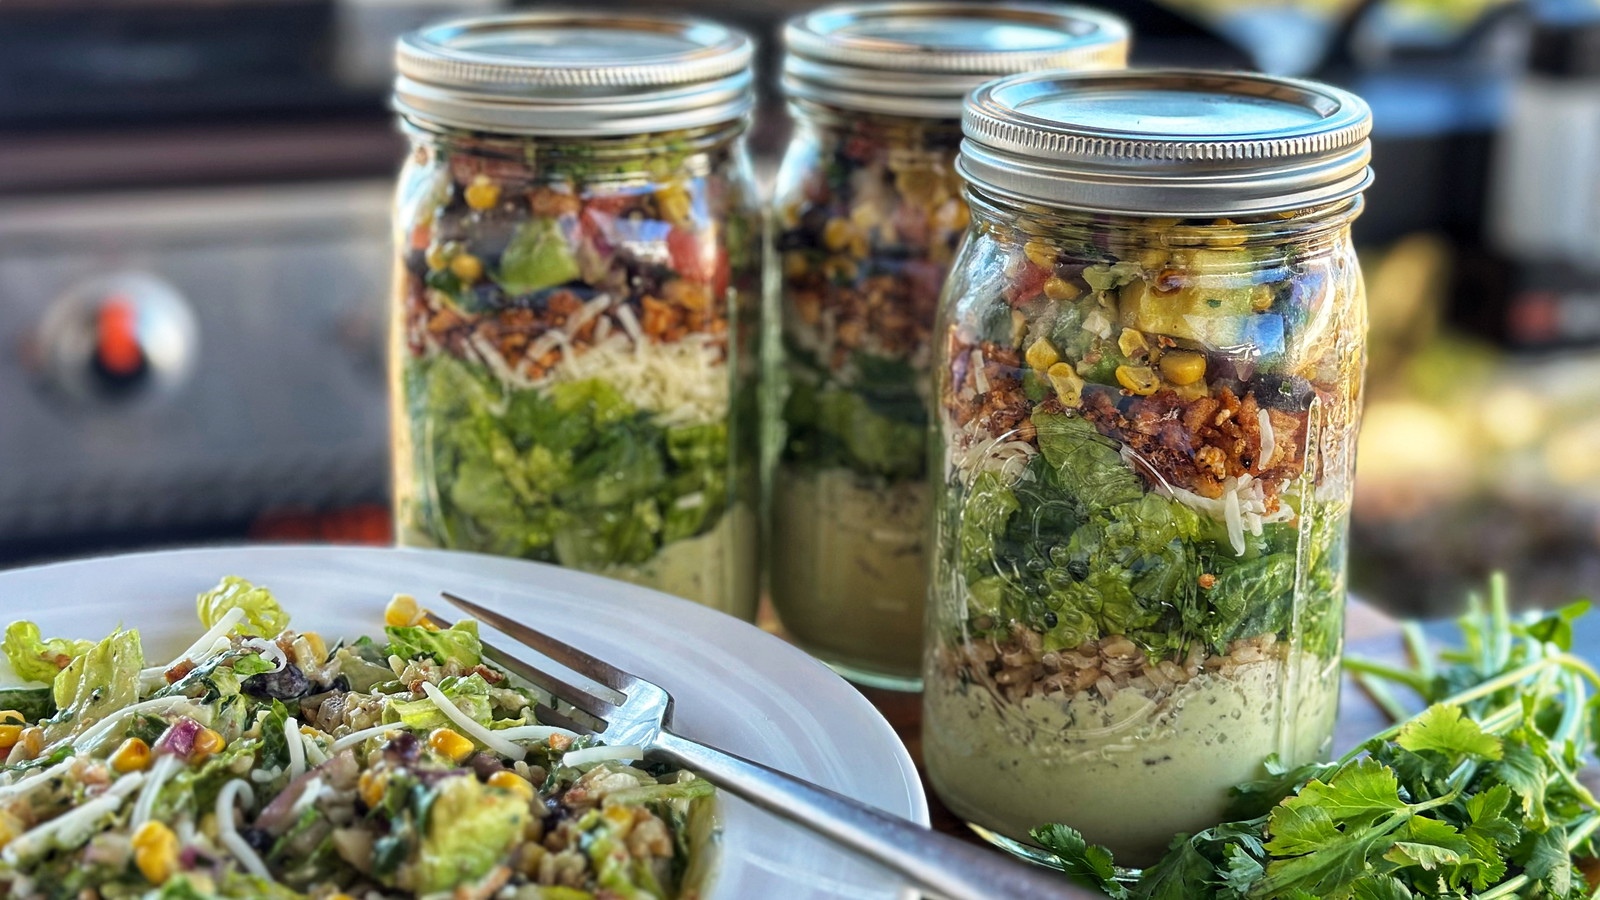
column 735, row 686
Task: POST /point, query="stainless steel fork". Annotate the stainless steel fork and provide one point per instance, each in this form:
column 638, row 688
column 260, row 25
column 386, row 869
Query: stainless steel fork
column 640, row 713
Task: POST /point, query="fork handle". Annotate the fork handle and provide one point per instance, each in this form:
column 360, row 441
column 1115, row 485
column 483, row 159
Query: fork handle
column 940, row 864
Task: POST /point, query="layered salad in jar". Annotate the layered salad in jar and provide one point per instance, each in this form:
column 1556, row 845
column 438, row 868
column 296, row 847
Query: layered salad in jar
column 1147, row 432
column 866, row 230
column 576, row 324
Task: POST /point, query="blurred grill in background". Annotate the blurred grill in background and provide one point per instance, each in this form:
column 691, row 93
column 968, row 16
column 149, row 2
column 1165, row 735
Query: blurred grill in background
column 194, row 221
column 194, row 204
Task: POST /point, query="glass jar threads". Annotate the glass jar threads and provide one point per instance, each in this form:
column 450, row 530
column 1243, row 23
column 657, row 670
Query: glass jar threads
column 575, row 313
column 867, row 216
column 1149, row 363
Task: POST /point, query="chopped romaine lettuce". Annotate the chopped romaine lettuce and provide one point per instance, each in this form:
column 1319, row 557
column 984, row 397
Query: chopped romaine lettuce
column 459, row 643
column 36, row 659
column 469, row 694
column 96, row 684
column 263, row 616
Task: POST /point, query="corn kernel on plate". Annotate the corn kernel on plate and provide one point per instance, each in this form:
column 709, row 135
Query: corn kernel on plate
column 284, row 723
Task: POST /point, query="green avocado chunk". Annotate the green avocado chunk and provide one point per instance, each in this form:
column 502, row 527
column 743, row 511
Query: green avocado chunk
column 471, row 827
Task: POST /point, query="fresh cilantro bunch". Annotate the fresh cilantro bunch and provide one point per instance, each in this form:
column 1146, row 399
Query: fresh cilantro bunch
column 1476, row 796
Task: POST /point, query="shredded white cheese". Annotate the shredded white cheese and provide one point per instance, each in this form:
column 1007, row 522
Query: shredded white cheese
column 297, row 750
column 308, row 796
column 314, row 754
column 160, row 773
column 1231, row 515
column 158, row 706
column 1269, row 439
column 270, row 651
column 601, row 754
column 40, row 779
column 356, row 737
column 535, row 733
column 228, row 830
column 73, row 825
column 980, row 381
column 483, row 735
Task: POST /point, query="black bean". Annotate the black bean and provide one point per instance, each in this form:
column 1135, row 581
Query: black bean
column 288, row 683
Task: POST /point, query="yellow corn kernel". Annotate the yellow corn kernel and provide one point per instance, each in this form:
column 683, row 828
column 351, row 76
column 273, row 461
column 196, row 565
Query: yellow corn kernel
column 1040, row 254
column 1139, row 380
column 859, row 245
column 1261, row 298
column 12, row 716
column 620, row 818
column 450, row 744
column 206, row 743
column 132, row 756
column 1058, row 288
column 1132, row 343
column 9, row 735
column 155, row 852
column 10, row 827
column 341, row 896
column 32, row 741
column 403, row 610
column 1067, row 382
column 319, row 647
column 674, row 203
column 1042, row 354
column 794, row 264
column 1228, row 235
column 436, row 257
column 371, row 786
column 467, row 267
column 1183, row 366
column 508, row 780
column 482, row 193
column 866, row 216
column 837, row 233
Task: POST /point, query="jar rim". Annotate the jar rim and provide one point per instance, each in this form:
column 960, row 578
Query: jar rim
column 1166, row 142
column 921, row 58
column 567, row 73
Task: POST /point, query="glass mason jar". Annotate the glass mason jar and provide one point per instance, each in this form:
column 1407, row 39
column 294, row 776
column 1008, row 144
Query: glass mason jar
column 576, row 312
column 868, row 213
column 1149, row 370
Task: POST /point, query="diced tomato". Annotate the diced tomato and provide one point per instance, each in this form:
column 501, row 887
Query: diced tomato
column 1026, row 285
column 697, row 260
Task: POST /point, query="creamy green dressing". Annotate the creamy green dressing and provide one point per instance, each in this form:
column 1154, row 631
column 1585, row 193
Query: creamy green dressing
column 1129, row 772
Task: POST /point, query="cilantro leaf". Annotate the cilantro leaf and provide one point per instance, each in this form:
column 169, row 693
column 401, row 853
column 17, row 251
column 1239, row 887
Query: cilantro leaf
column 1088, row 864
column 1366, row 788
column 1447, row 730
column 1545, row 859
column 1430, row 844
column 1386, row 887
column 1524, row 772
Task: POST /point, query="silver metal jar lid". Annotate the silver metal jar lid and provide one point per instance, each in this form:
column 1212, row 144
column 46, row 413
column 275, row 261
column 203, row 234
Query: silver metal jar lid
column 574, row 74
column 1165, row 143
column 921, row 59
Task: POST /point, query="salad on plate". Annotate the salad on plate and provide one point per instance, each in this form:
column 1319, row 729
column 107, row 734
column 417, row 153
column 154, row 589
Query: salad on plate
column 266, row 762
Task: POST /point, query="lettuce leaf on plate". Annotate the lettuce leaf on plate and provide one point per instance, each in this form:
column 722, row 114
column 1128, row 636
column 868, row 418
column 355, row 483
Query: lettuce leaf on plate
column 96, row 684
column 263, row 617
column 36, row 659
column 458, row 643
column 469, row 694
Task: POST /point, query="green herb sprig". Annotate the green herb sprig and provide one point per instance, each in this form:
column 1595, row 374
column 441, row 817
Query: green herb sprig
column 1476, row 796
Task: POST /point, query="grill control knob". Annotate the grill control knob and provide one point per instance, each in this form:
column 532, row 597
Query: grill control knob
column 117, row 338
